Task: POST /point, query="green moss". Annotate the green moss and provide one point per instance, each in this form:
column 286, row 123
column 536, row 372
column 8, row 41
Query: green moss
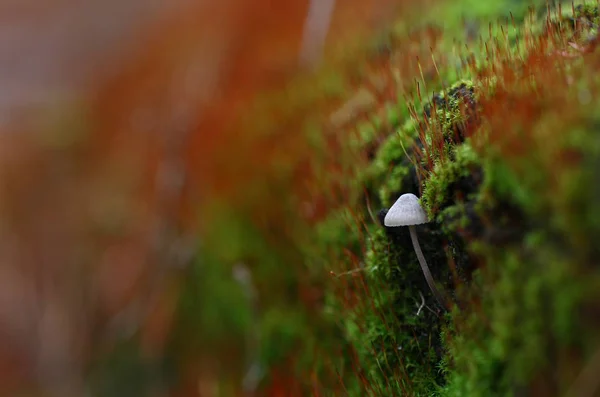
column 528, row 316
column 339, row 232
column 440, row 190
column 376, row 125
column 366, row 132
column 448, row 116
column 581, row 14
column 454, row 218
column 526, row 321
column 532, row 325
column 578, row 18
column 391, row 168
column 398, row 349
column 454, row 14
column 451, row 100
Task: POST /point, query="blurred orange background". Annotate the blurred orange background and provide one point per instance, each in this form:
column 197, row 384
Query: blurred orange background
column 122, row 124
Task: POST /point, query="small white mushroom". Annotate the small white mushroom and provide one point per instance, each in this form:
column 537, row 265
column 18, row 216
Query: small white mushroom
column 407, row 211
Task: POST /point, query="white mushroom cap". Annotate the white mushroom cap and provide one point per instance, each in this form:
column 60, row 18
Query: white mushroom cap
column 406, row 211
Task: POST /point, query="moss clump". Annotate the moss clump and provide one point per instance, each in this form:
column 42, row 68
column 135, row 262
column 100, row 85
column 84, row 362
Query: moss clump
column 525, row 207
column 392, row 170
column 451, row 182
column 448, row 118
column 400, row 350
column 578, row 22
column 525, row 321
column 460, row 95
column 581, row 15
column 537, row 293
column 396, row 339
column 397, row 344
column 530, row 329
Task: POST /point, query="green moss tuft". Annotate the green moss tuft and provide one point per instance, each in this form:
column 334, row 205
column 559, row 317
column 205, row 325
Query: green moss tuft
column 452, row 181
column 391, row 168
column 398, row 349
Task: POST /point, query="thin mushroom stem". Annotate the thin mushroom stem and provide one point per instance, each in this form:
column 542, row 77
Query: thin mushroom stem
column 422, row 303
column 424, row 267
